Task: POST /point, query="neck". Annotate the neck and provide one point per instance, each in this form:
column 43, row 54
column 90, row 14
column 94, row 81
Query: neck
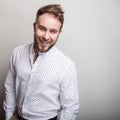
column 35, row 57
column 36, row 52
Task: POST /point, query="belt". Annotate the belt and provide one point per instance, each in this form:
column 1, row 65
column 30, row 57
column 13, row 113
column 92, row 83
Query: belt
column 21, row 118
column 55, row 118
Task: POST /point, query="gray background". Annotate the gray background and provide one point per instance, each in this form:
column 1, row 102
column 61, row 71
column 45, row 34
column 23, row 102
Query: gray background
column 91, row 38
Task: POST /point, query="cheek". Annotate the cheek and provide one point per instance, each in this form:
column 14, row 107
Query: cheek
column 38, row 33
column 54, row 38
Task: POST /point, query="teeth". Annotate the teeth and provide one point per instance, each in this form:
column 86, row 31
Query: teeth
column 44, row 43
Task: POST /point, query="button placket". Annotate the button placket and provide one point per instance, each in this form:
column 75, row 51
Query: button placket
column 28, row 89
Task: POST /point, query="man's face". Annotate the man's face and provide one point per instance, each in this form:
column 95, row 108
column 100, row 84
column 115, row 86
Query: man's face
column 46, row 32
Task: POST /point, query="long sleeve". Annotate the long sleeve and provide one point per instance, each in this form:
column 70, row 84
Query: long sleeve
column 69, row 95
column 9, row 102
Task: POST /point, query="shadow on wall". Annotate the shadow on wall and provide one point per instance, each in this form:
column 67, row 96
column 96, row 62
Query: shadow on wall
column 3, row 72
column 2, row 113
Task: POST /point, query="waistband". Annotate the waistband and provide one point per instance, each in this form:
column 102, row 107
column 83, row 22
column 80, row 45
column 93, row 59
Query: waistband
column 21, row 118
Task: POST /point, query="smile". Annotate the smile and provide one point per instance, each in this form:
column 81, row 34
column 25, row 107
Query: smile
column 44, row 43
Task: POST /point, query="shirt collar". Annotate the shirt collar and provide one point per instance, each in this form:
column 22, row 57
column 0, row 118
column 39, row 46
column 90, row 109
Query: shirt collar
column 33, row 53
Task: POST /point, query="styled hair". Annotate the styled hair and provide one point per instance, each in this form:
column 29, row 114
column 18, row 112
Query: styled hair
column 54, row 9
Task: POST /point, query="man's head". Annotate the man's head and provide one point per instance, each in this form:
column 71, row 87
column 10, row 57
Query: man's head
column 47, row 27
column 54, row 9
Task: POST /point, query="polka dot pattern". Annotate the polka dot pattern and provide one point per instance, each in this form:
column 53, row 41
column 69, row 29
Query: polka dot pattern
column 44, row 89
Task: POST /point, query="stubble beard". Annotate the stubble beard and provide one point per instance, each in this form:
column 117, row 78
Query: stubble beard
column 42, row 49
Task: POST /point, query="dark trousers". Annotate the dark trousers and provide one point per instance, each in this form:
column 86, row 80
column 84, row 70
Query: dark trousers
column 21, row 118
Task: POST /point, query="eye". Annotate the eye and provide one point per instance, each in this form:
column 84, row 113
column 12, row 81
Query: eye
column 53, row 31
column 41, row 28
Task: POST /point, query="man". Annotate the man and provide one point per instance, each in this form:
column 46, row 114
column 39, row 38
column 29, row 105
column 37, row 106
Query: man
column 41, row 83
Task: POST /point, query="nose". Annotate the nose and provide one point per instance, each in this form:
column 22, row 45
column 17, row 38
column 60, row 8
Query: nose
column 46, row 35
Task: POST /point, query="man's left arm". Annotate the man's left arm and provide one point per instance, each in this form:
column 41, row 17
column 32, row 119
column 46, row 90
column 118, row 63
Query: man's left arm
column 69, row 95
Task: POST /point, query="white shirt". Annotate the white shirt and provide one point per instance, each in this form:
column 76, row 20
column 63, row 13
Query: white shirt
column 41, row 90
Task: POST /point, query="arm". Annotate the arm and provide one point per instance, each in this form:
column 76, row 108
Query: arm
column 69, row 95
column 9, row 102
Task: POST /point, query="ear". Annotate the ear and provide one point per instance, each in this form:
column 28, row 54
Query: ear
column 60, row 31
column 34, row 26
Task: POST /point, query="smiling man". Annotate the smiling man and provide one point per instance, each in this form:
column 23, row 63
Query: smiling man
column 41, row 83
column 47, row 29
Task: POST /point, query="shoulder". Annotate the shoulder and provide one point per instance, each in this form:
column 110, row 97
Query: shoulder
column 66, row 66
column 64, row 56
column 21, row 47
column 21, row 50
column 60, row 57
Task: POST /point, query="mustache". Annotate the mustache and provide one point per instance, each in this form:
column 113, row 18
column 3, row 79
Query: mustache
column 43, row 40
column 40, row 39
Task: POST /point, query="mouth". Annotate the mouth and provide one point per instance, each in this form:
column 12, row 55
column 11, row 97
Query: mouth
column 43, row 43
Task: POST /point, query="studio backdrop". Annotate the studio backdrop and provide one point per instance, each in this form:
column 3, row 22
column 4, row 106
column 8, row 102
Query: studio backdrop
column 90, row 37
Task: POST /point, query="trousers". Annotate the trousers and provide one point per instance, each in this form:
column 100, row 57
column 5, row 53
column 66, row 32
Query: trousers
column 21, row 118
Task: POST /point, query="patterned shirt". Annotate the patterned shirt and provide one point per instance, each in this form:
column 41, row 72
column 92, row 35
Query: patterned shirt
column 43, row 89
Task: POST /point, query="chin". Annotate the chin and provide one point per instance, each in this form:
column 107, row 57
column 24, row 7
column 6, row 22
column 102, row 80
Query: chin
column 43, row 49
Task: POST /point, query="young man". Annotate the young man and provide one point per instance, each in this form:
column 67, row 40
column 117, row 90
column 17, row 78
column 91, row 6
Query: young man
column 41, row 83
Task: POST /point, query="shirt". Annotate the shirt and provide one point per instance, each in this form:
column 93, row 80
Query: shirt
column 42, row 90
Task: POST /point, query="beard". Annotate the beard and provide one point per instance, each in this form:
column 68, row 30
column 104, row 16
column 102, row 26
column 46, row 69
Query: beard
column 42, row 45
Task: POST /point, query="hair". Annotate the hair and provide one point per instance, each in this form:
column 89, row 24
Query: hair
column 54, row 9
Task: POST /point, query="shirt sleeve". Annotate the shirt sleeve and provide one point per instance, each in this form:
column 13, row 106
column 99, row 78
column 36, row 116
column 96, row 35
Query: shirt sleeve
column 9, row 102
column 69, row 95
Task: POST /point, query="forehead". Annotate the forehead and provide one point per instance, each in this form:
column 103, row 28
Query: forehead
column 49, row 21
